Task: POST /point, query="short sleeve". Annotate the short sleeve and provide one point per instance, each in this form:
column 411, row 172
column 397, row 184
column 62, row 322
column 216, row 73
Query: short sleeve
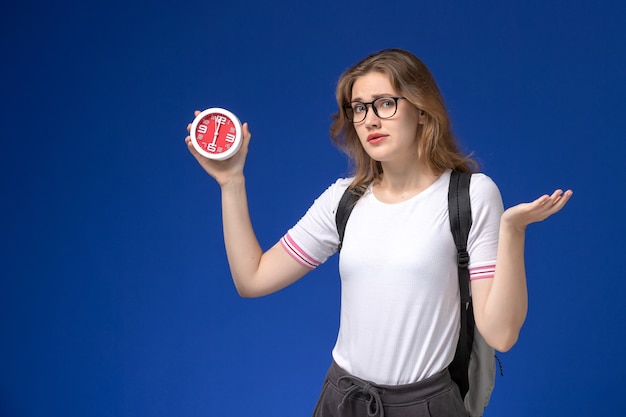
column 314, row 238
column 487, row 208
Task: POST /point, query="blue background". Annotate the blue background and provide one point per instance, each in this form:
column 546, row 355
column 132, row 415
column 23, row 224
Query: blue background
column 115, row 296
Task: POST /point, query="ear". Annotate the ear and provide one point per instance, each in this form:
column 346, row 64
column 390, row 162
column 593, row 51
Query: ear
column 422, row 117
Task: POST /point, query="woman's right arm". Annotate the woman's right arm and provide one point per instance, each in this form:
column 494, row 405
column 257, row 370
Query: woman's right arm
column 255, row 273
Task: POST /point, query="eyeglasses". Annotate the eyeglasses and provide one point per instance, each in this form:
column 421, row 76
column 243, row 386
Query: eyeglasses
column 384, row 108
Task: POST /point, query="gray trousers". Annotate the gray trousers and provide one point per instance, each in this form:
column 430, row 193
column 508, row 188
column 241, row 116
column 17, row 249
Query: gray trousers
column 344, row 395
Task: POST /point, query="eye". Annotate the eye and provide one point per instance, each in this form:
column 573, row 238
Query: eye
column 358, row 108
column 386, row 103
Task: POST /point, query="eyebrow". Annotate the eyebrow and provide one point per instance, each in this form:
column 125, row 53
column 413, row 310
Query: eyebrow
column 374, row 97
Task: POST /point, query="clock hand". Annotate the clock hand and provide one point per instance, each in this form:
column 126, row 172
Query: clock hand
column 217, row 131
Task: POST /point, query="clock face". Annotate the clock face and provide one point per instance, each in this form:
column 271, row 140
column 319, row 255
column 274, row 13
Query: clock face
column 216, row 133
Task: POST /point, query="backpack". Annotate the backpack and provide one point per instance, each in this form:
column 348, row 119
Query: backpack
column 473, row 368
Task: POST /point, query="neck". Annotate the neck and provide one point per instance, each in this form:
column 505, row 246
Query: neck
column 399, row 183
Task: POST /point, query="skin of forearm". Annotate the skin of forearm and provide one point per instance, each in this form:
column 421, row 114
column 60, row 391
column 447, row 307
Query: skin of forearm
column 507, row 303
column 242, row 247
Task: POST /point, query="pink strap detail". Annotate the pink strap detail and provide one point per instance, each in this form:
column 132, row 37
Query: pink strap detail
column 482, row 272
column 297, row 253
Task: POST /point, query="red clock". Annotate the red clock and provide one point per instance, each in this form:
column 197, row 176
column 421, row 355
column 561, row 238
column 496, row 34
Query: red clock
column 216, row 133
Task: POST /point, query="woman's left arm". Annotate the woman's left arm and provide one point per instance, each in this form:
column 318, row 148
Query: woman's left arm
column 501, row 303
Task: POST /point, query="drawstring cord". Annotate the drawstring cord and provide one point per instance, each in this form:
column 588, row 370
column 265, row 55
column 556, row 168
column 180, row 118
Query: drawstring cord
column 374, row 403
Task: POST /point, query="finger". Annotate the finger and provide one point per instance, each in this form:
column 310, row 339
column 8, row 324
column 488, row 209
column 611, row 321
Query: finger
column 556, row 195
column 245, row 130
column 543, row 200
column 558, row 199
column 550, row 200
column 190, row 146
column 568, row 194
column 538, row 204
column 563, row 199
column 195, row 114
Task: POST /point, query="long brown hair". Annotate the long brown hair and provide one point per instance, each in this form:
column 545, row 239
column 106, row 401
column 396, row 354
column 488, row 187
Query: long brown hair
column 411, row 79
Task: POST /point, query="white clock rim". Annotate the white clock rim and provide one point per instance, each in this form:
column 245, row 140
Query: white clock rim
column 238, row 134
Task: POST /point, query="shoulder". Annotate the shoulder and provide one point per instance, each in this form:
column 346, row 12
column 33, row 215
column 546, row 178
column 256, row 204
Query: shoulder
column 343, row 183
column 328, row 200
column 315, row 236
column 484, row 191
column 483, row 184
column 335, row 190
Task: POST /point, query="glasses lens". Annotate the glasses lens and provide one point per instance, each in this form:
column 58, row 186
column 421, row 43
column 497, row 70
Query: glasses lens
column 385, row 107
column 355, row 111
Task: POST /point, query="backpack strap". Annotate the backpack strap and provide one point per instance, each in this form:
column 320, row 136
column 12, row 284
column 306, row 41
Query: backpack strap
column 346, row 204
column 460, row 213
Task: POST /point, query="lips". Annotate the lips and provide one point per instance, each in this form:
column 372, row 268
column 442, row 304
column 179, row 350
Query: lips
column 375, row 138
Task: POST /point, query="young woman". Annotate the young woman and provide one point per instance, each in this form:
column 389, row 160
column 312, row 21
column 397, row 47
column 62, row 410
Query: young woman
column 399, row 321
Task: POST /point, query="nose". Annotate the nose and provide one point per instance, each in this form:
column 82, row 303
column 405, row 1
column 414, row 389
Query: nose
column 371, row 118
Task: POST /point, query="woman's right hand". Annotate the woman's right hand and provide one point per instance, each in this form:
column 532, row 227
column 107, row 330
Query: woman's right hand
column 223, row 171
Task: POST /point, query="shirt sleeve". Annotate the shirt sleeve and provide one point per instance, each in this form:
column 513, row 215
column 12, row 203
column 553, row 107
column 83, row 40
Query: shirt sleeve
column 314, row 238
column 487, row 208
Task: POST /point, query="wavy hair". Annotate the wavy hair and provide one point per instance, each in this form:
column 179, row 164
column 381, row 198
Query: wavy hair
column 413, row 80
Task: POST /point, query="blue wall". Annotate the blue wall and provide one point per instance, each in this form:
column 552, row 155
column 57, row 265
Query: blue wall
column 115, row 296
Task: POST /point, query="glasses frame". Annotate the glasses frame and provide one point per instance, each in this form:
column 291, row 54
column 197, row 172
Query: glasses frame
column 371, row 104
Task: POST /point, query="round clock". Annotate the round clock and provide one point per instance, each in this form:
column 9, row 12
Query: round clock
column 216, row 133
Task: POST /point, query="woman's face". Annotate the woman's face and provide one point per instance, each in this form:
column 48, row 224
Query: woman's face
column 385, row 139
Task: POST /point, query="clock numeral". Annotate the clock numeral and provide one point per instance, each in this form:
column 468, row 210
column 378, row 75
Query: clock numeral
column 230, row 138
column 211, row 147
column 220, row 120
column 202, row 129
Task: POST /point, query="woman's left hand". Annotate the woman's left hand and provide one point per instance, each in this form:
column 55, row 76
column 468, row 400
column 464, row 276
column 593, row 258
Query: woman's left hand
column 522, row 215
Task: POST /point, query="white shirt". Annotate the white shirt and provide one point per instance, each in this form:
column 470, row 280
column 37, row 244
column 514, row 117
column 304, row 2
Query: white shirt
column 399, row 319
